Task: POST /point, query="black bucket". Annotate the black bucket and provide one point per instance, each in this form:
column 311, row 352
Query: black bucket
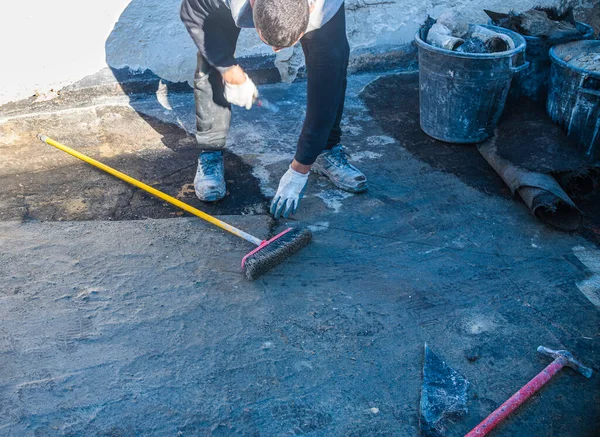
column 533, row 82
column 463, row 94
column 574, row 97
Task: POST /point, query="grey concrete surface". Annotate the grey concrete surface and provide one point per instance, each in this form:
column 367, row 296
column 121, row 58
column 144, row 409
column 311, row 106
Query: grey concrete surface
column 141, row 324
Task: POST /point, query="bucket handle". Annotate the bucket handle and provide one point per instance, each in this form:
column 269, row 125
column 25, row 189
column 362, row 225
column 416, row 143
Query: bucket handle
column 524, row 66
column 583, row 90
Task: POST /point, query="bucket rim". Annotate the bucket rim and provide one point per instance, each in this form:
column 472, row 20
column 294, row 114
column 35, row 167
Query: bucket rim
column 589, row 31
column 507, row 54
column 557, row 60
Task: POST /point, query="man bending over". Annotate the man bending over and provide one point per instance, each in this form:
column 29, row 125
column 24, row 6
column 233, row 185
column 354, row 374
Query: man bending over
column 219, row 82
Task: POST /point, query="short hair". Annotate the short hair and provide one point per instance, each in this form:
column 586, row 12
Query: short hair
column 281, row 22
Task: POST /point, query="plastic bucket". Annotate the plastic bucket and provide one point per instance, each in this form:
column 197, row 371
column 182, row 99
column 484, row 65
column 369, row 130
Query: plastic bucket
column 463, row 94
column 574, row 96
column 533, row 82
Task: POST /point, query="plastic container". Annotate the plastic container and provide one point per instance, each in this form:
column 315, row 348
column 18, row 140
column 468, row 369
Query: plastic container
column 463, row 94
column 574, row 96
column 533, row 82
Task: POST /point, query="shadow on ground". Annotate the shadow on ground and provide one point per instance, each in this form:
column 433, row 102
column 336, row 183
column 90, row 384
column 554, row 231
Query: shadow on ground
column 61, row 187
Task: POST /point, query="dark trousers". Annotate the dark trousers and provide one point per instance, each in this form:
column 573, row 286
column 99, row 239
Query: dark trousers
column 326, row 53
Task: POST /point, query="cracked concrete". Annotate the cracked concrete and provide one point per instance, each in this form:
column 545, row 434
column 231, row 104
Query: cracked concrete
column 145, row 326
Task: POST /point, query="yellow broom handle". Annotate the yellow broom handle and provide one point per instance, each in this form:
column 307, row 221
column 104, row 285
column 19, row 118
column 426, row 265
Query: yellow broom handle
column 153, row 191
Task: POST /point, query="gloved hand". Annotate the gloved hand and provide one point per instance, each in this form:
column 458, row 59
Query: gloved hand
column 243, row 94
column 290, row 191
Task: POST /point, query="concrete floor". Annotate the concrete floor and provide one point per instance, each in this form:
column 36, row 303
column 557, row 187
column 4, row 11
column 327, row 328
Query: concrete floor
column 120, row 317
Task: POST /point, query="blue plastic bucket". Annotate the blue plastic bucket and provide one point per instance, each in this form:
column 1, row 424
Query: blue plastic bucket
column 574, row 96
column 533, row 82
column 462, row 95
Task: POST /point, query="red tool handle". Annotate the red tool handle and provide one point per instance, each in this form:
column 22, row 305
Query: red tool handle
column 517, row 399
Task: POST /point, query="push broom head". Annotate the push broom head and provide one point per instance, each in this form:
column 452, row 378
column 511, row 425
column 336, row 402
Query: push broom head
column 274, row 251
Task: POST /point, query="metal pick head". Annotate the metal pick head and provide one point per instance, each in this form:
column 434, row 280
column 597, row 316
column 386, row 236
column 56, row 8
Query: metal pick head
column 264, row 103
column 569, row 358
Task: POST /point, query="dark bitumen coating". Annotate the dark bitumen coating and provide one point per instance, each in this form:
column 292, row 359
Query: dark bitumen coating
column 394, row 102
column 525, row 136
column 148, row 328
column 276, row 252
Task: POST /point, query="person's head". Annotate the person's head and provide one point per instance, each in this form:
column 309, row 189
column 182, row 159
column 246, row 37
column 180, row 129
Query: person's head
column 281, row 23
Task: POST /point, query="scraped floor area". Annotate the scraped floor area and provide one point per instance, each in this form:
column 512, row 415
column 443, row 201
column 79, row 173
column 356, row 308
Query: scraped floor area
column 120, row 316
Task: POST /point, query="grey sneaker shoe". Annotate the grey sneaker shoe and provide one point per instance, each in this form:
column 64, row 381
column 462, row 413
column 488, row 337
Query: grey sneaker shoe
column 209, row 182
column 334, row 165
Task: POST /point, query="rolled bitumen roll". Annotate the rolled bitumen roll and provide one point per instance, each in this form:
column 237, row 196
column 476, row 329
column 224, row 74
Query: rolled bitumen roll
column 541, row 192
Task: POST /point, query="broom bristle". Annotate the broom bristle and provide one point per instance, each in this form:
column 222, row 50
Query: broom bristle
column 274, row 251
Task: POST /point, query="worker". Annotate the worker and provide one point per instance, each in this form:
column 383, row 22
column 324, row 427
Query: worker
column 219, row 82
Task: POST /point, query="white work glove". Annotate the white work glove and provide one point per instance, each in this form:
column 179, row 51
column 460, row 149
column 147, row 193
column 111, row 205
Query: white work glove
column 242, row 95
column 290, row 191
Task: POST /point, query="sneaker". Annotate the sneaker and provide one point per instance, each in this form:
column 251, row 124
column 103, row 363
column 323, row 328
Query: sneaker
column 334, row 165
column 209, row 182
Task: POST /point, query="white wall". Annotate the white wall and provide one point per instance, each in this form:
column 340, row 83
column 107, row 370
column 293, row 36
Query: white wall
column 49, row 44
column 46, row 45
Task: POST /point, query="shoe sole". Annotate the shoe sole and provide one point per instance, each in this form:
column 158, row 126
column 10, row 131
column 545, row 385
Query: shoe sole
column 211, row 199
column 350, row 189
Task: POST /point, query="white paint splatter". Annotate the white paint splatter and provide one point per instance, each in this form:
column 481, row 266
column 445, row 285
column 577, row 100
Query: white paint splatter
column 380, row 140
column 333, row 198
column 364, row 154
column 261, row 148
column 535, row 237
column 319, row 226
column 254, row 209
column 590, row 287
column 459, row 243
column 301, row 366
column 260, row 172
column 479, row 324
column 352, row 130
column 267, row 345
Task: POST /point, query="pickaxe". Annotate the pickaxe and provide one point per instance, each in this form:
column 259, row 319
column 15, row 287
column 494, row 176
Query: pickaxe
column 561, row 359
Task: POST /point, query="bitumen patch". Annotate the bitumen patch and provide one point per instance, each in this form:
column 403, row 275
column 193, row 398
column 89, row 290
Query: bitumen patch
column 394, row 102
column 526, row 136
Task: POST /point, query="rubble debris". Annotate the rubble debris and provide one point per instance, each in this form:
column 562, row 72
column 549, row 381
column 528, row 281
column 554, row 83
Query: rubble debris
column 441, row 36
column 494, row 41
column 452, row 32
column 573, row 94
column 539, row 22
column 585, row 61
column 443, row 395
column 455, row 21
column 472, row 45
